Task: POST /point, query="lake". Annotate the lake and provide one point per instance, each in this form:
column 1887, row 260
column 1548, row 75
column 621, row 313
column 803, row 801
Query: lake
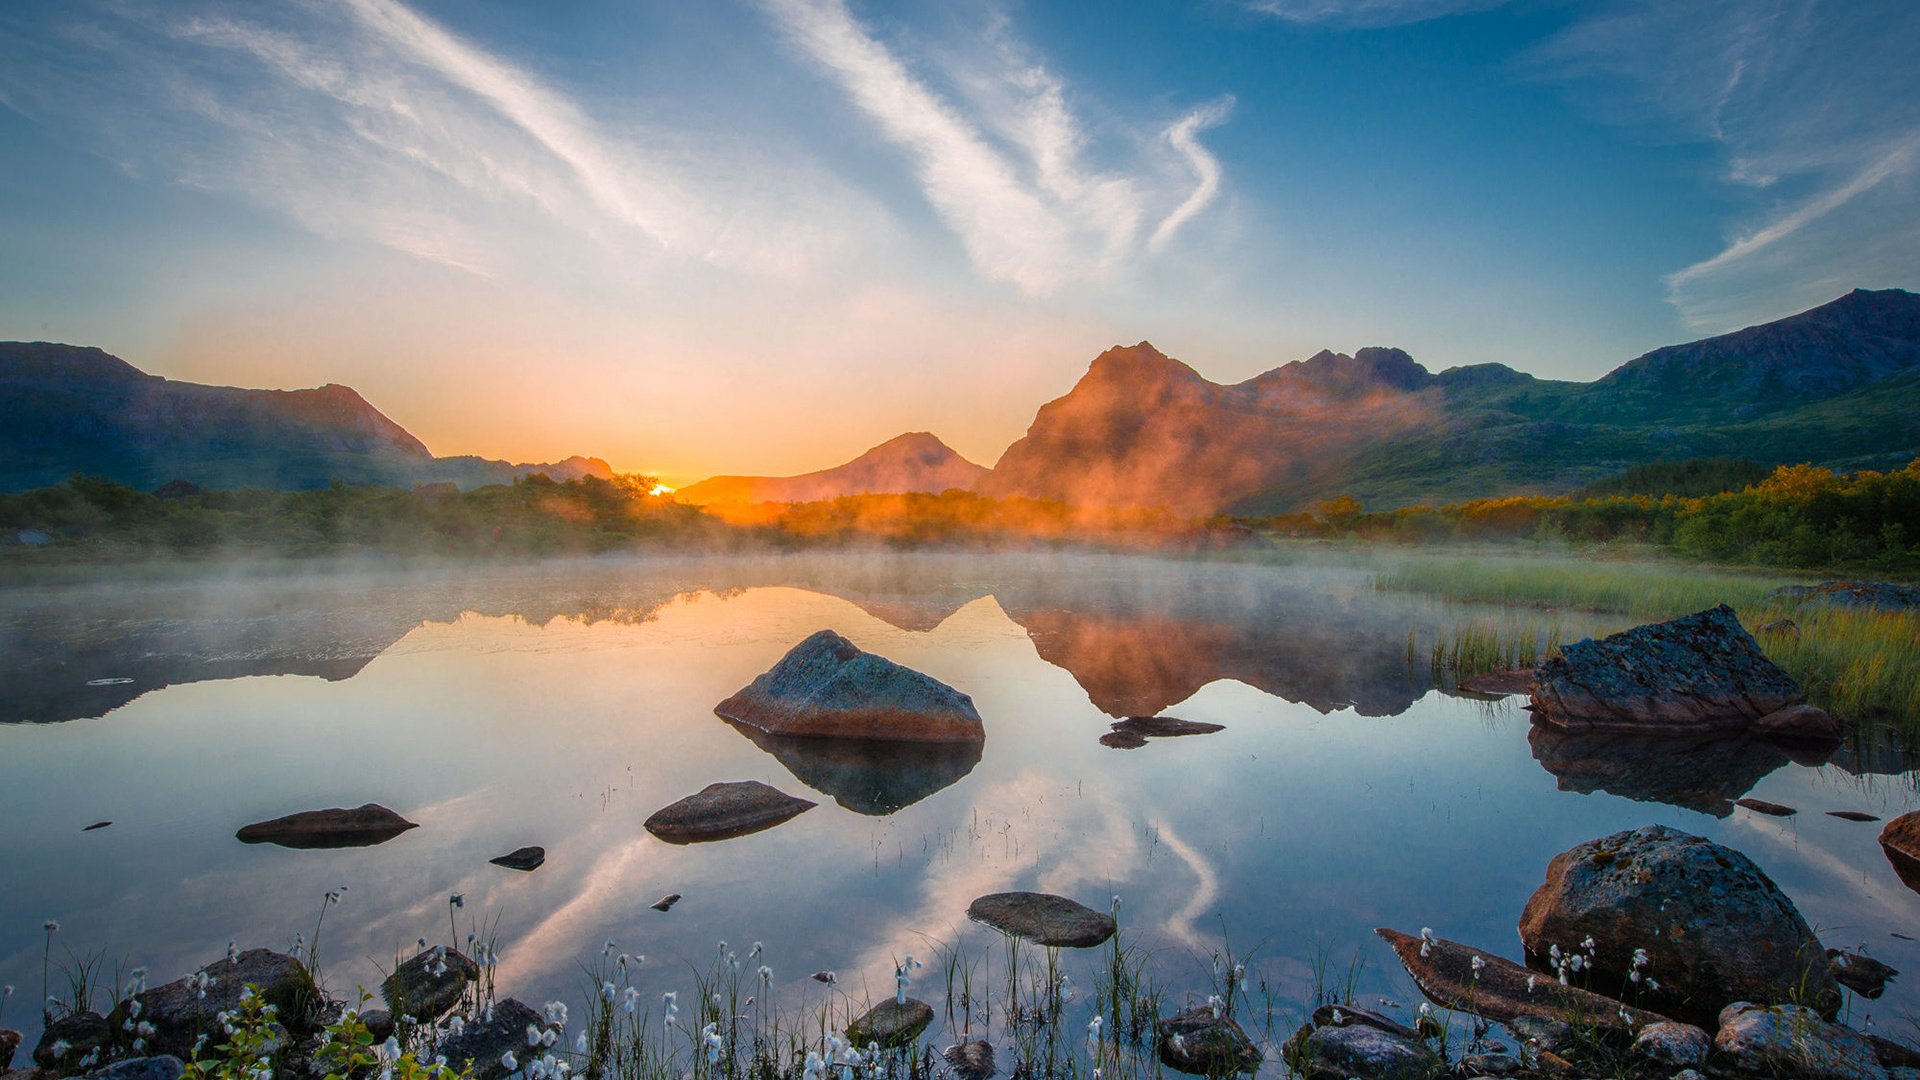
column 560, row 704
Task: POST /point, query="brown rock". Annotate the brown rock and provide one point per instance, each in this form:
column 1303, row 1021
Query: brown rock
column 1852, row 815
column 1800, row 723
column 1901, row 841
column 1165, row 727
column 362, row 826
column 890, row 1023
column 1043, row 919
column 1762, row 806
column 826, row 686
column 723, row 811
column 527, row 859
column 1504, row 991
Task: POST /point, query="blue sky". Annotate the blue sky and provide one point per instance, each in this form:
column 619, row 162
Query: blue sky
column 761, row 236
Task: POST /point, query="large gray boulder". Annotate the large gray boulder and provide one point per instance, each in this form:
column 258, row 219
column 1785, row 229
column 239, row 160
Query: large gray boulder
column 1715, row 928
column 180, row 1013
column 723, row 811
column 1700, row 672
column 826, row 686
column 1789, row 1040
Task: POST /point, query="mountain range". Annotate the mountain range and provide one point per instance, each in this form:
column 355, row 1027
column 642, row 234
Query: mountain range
column 916, row 461
column 69, row 409
column 1838, row 385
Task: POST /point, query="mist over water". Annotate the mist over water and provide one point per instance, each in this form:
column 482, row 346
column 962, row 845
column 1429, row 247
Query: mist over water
column 560, row 704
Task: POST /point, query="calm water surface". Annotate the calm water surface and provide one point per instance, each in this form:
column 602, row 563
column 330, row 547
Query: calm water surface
column 560, row 705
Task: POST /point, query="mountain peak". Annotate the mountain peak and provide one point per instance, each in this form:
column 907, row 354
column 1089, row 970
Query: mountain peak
column 916, row 461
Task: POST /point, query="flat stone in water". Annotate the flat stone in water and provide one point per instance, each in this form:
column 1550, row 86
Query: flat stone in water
column 723, row 811
column 528, row 859
column 362, row 826
column 1165, row 727
column 666, row 902
column 891, row 1024
column 97, row 825
column 1123, row 740
column 1762, row 806
column 1852, row 815
column 1043, row 918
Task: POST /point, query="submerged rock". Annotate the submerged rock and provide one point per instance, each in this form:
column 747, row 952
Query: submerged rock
column 1901, row 841
column 1043, row 918
column 1164, row 727
column 1853, row 815
column 1700, row 672
column 723, row 811
column 362, row 826
column 1790, row 1040
column 1762, row 806
column 526, row 859
column 1502, row 990
column 180, row 1015
column 1860, row 973
column 1122, row 740
column 1201, row 1044
column 826, row 686
column 891, row 1023
column 1715, row 928
column 430, row 984
column 868, row 776
column 485, row 1040
column 971, row 1060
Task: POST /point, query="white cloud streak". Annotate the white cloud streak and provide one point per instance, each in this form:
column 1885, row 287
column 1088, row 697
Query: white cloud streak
column 1038, row 220
column 1366, row 14
column 1185, row 138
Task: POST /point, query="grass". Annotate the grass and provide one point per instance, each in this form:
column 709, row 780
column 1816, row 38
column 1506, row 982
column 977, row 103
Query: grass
column 1863, row 665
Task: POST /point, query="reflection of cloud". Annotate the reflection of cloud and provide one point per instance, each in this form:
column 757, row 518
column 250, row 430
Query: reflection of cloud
column 1183, row 926
column 1366, row 13
column 1882, row 890
column 562, row 931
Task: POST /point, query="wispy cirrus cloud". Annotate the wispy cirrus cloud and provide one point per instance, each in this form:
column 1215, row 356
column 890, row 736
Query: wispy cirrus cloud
column 1010, row 175
column 1366, row 14
column 1811, row 106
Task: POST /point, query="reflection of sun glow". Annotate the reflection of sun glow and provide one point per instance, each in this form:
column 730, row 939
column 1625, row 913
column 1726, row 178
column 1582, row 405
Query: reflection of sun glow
column 660, row 489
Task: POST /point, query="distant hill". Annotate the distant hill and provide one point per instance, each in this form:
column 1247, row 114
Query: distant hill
column 66, row 409
column 1838, row 385
column 916, row 461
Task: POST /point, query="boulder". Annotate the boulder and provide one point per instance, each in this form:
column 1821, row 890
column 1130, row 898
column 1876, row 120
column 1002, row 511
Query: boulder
column 362, row 826
column 723, row 811
column 1715, row 928
column 67, row 1041
column 1340, row 1052
column 180, row 1015
column 1860, row 973
column 891, row 1023
column 1800, row 723
column 1900, row 839
column 486, row 1039
column 1502, row 990
column 1199, row 1043
column 1790, row 1040
column 429, row 984
column 1700, row 672
column 1043, row 919
column 971, row 1060
column 1879, row 595
column 826, row 686
column 1672, row 1046
column 527, row 859
column 160, row 1067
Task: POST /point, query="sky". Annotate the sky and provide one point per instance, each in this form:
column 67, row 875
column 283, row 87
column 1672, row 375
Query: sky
column 760, row 236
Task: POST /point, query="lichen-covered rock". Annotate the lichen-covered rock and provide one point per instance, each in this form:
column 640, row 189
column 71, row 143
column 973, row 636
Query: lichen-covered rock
column 826, row 686
column 1043, row 919
column 1715, row 928
column 362, row 826
column 429, row 984
column 183, row 1010
column 484, row 1041
column 1700, row 672
column 1341, row 1052
column 1672, row 1046
column 1199, row 1043
column 1788, row 1040
column 891, row 1023
column 723, row 811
